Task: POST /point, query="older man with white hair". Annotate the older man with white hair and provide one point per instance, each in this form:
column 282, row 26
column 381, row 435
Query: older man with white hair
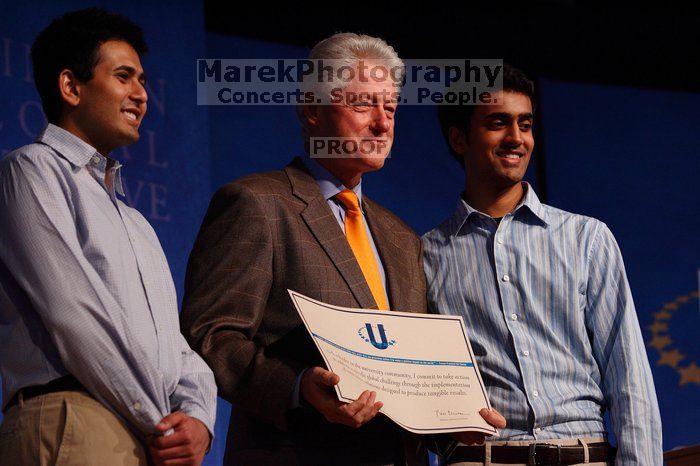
column 309, row 228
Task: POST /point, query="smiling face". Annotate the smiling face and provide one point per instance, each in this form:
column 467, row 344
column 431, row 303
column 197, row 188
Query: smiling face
column 112, row 104
column 365, row 114
column 499, row 144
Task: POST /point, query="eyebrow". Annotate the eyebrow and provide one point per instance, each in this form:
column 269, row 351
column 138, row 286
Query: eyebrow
column 132, row 71
column 366, row 103
column 507, row 116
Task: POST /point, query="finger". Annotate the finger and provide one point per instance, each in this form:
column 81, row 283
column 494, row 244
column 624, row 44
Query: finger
column 363, row 404
column 350, row 409
column 177, row 439
column 329, row 378
column 501, row 416
column 171, row 453
column 493, row 417
column 374, row 407
column 377, row 406
column 319, row 375
column 369, row 406
column 372, row 399
column 170, row 421
column 367, row 412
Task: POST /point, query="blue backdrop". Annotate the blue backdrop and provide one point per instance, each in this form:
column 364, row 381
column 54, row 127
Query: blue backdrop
column 624, row 156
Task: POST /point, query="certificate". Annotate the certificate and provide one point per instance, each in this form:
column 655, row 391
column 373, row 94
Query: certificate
column 421, row 366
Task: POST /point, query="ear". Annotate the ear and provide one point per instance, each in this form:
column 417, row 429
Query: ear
column 458, row 140
column 69, row 87
column 310, row 113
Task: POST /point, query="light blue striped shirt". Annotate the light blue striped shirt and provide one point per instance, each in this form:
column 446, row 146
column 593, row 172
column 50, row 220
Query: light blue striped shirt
column 85, row 289
column 551, row 320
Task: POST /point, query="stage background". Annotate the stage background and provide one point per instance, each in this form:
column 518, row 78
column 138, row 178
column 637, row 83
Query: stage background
column 626, row 156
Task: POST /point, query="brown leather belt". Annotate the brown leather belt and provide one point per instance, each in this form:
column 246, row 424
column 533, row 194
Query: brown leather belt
column 62, row 384
column 535, row 454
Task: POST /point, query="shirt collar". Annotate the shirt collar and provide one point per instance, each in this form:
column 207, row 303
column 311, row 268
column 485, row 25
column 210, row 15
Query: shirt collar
column 329, row 184
column 530, row 201
column 78, row 152
column 70, row 146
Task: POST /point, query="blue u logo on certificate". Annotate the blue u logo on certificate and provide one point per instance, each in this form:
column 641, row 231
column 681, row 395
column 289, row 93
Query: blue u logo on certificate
column 367, row 334
column 381, row 345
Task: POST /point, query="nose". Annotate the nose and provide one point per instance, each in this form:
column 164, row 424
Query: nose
column 514, row 136
column 380, row 122
column 138, row 92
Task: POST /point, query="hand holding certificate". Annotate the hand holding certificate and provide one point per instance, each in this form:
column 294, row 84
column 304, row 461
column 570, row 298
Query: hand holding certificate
column 421, row 366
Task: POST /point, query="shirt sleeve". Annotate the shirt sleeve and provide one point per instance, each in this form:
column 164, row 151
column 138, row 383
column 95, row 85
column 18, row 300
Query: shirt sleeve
column 40, row 245
column 618, row 348
column 195, row 393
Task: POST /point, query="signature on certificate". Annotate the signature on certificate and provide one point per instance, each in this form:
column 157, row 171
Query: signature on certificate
column 449, row 413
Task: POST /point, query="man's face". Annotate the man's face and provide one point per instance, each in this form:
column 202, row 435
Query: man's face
column 500, row 141
column 364, row 113
column 113, row 103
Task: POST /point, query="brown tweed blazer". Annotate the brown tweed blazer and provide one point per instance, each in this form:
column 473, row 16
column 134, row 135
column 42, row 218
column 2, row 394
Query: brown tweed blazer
column 263, row 234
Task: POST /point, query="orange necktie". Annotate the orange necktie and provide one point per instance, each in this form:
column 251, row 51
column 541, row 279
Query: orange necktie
column 356, row 234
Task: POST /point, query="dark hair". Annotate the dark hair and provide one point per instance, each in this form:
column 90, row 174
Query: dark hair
column 460, row 116
column 73, row 42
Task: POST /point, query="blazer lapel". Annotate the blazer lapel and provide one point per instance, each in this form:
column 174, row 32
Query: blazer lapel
column 325, row 228
column 392, row 255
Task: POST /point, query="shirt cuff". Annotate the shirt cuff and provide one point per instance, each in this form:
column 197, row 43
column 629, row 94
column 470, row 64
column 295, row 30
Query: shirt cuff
column 201, row 415
column 296, row 401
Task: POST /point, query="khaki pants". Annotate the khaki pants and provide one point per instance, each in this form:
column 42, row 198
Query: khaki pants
column 67, row 428
column 487, row 462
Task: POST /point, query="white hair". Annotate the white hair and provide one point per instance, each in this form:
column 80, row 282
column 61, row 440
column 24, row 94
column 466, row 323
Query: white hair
column 346, row 49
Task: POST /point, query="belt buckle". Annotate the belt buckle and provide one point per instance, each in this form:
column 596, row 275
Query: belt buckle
column 532, row 453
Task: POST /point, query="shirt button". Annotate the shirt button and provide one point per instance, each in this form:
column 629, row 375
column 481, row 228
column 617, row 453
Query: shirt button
column 538, row 430
column 514, row 317
column 506, row 278
column 499, row 240
column 137, row 406
column 536, row 393
column 526, row 353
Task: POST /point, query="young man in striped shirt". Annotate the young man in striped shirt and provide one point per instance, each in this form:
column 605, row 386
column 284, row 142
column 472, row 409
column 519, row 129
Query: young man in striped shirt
column 546, row 299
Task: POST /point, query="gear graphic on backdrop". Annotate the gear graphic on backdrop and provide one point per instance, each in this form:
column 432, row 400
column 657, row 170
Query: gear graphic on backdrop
column 669, row 354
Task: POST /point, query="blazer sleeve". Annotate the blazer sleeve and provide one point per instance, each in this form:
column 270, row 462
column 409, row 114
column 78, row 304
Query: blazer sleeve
column 227, row 287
